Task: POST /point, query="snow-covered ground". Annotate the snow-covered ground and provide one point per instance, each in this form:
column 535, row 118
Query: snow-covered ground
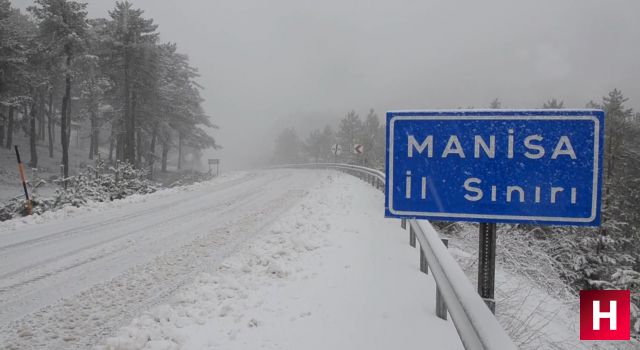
column 69, row 278
column 331, row 273
column 275, row 259
column 533, row 304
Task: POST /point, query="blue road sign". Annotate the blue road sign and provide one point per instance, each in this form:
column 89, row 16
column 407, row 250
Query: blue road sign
column 525, row 166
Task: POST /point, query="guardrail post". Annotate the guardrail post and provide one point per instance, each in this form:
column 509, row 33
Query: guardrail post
column 412, row 236
column 441, row 307
column 424, row 265
column 403, row 224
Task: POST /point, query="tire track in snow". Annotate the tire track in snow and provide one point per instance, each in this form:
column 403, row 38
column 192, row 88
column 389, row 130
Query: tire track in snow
column 92, row 246
column 68, row 233
column 60, row 263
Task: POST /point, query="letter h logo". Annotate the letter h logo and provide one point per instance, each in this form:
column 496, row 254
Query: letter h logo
column 605, row 315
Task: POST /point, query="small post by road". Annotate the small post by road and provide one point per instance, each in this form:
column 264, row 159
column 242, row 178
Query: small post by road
column 487, row 264
column 24, row 181
column 424, row 265
column 336, row 149
column 412, row 236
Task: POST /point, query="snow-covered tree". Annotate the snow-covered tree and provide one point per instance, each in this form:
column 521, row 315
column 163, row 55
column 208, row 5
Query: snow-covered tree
column 553, row 104
column 63, row 26
column 288, row 148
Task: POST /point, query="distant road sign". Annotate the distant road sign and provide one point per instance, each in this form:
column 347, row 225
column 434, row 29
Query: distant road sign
column 526, row 166
column 358, row 149
column 336, row 149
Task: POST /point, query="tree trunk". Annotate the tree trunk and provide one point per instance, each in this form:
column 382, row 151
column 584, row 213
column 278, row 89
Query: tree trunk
column 152, row 150
column 33, row 135
column 26, row 116
column 10, row 128
column 136, row 130
column 129, row 116
column 49, row 123
column 2, row 121
column 91, row 145
column 64, row 120
column 92, row 140
column 69, row 121
column 138, row 148
column 120, row 146
column 112, row 140
column 41, row 102
column 96, row 140
column 95, row 128
column 179, row 151
column 165, row 153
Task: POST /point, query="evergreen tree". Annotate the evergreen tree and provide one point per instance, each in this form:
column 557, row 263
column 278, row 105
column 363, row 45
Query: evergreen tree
column 314, row 144
column 553, row 104
column 132, row 42
column 14, row 88
column 370, row 138
column 63, row 26
column 349, row 133
column 288, row 147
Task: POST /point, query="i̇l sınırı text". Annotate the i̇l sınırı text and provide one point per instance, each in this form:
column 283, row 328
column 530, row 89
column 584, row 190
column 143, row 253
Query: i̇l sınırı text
column 474, row 193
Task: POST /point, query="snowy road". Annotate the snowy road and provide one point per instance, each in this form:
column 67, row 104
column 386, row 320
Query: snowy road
column 330, row 273
column 73, row 280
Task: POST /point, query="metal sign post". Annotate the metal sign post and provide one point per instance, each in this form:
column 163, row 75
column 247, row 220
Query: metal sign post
column 541, row 167
column 336, row 149
column 358, row 150
column 487, row 264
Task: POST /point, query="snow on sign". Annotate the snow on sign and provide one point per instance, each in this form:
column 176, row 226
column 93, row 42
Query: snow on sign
column 526, row 166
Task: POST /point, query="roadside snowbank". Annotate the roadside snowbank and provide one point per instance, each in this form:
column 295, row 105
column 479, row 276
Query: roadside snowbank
column 330, row 274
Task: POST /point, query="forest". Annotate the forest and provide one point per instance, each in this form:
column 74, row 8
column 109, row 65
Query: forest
column 136, row 98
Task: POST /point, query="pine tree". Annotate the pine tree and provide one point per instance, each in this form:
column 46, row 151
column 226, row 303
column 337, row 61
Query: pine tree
column 14, row 89
column 370, row 138
column 133, row 40
column 349, row 132
column 553, row 104
column 314, row 145
column 63, row 26
column 288, row 147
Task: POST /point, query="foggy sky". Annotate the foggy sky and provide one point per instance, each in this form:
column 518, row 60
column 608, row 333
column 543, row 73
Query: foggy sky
column 267, row 65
